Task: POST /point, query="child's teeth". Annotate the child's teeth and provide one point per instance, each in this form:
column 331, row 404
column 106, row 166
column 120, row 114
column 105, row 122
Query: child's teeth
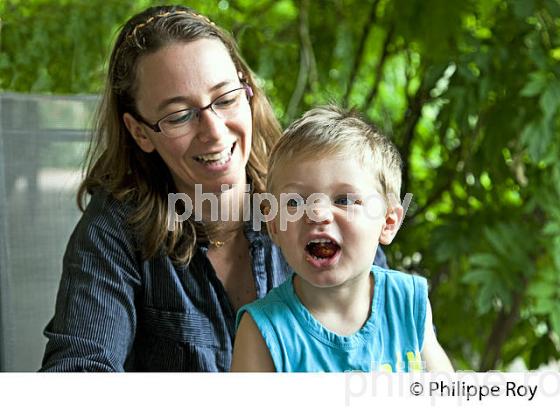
column 321, row 240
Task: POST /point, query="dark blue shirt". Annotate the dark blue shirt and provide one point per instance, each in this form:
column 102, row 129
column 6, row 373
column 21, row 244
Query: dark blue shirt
column 117, row 312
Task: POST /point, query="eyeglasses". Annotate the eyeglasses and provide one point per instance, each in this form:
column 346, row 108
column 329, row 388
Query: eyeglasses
column 181, row 123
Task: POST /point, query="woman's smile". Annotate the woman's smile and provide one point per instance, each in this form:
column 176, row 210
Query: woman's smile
column 217, row 161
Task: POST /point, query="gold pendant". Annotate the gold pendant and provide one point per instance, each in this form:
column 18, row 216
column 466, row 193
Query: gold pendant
column 217, row 244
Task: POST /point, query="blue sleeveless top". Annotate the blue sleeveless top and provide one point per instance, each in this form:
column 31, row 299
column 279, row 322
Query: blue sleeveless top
column 391, row 339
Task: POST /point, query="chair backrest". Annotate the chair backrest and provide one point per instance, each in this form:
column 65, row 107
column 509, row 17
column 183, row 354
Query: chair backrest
column 42, row 145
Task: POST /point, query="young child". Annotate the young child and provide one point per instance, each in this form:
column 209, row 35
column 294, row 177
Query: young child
column 337, row 312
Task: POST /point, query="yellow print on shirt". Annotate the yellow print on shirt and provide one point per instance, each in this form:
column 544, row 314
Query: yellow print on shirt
column 413, row 359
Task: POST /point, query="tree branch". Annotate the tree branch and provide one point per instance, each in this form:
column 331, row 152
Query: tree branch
column 414, row 113
column 411, row 118
column 359, row 56
column 379, row 68
column 501, row 329
column 307, row 66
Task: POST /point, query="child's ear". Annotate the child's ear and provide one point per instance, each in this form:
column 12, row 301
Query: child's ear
column 138, row 133
column 393, row 220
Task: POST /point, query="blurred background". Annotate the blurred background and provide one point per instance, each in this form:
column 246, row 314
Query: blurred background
column 469, row 92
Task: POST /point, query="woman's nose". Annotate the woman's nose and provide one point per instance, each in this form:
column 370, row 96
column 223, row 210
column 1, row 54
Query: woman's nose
column 319, row 215
column 211, row 126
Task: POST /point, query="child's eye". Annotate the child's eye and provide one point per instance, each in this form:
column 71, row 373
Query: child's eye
column 346, row 200
column 294, row 202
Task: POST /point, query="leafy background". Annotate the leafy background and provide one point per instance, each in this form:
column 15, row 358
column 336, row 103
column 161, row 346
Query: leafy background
column 469, row 92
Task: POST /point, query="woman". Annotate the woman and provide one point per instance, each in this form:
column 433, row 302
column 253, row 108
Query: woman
column 181, row 112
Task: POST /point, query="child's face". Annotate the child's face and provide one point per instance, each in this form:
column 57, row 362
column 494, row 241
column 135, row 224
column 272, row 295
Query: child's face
column 354, row 219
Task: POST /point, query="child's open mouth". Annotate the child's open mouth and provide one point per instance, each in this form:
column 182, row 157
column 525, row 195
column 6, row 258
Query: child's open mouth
column 322, row 252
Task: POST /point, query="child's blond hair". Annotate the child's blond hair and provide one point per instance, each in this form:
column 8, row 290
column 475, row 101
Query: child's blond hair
column 331, row 131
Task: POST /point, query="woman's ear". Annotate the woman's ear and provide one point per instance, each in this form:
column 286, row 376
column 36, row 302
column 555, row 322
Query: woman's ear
column 393, row 221
column 138, row 133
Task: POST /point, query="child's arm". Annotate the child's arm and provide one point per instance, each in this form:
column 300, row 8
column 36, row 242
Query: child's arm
column 250, row 353
column 432, row 353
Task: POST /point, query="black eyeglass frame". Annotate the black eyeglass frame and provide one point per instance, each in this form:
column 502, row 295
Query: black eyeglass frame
column 155, row 126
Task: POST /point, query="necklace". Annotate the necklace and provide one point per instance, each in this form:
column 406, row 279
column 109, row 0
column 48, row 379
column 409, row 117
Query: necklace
column 216, row 244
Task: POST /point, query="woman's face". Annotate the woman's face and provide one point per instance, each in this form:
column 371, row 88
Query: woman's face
column 192, row 75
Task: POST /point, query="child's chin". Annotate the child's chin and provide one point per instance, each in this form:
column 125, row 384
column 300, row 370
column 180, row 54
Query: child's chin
column 323, row 279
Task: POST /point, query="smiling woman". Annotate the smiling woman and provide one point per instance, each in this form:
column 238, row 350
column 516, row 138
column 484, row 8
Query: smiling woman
column 180, row 109
column 211, row 146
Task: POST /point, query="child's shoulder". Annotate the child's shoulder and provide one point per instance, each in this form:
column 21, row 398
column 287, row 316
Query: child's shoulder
column 272, row 304
column 390, row 278
column 403, row 297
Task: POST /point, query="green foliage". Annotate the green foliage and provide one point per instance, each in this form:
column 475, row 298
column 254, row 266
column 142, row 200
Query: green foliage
column 57, row 46
column 470, row 93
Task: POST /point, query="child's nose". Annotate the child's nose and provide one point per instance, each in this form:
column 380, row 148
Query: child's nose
column 319, row 215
